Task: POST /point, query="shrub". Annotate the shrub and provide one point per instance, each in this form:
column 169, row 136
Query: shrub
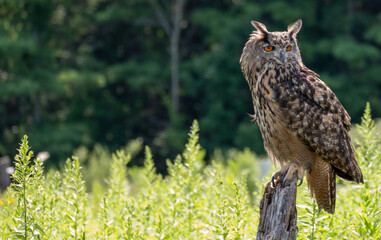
column 194, row 201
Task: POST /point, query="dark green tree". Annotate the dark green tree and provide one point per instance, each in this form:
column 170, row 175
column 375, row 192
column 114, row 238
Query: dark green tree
column 99, row 71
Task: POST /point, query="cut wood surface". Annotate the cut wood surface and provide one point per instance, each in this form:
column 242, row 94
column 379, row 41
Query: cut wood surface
column 278, row 211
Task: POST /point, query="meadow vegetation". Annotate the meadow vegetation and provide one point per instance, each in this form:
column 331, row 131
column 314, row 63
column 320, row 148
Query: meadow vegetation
column 194, row 201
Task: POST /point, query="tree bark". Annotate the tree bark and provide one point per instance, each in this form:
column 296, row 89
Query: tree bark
column 177, row 16
column 37, row 108
column 172, row 28
column 278, row 216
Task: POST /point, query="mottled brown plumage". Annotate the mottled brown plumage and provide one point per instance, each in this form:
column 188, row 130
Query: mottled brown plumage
column 303, row 125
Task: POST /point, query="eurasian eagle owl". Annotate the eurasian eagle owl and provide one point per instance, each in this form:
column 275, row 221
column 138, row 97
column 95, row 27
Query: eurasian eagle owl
column 303, row 125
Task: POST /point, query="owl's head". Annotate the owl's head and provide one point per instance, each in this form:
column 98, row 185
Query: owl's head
column 278, row 48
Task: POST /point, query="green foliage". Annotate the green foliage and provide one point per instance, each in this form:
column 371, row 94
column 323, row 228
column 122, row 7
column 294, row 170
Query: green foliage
column 369, row 156
column 29, row 194
column 97, row 163
column 311, row 220
column 79, row 73
column 194, row 201
column 74, row 199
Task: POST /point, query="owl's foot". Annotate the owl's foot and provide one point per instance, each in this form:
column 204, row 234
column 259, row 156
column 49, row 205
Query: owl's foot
column 287, row 172
column 275, row 178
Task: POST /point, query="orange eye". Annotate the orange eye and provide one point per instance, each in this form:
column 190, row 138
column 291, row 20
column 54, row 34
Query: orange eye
column 268, row 48
column 288, row 48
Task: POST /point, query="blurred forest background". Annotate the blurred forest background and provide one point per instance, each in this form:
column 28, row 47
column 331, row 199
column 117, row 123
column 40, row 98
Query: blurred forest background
column 80, row 73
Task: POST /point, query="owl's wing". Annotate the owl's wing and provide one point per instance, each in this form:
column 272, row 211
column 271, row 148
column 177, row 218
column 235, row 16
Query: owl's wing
column 312, row 112
column 315, row 89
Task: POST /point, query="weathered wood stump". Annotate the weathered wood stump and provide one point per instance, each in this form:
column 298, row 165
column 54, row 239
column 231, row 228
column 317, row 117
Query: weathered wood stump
column 5, row 180
column 278, row 211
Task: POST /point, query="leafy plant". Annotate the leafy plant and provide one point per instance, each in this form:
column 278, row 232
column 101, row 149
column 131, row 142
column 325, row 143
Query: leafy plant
column 194, row 201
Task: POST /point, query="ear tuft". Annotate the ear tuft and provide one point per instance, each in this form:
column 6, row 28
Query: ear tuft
column 260, row 27
column 294, row 28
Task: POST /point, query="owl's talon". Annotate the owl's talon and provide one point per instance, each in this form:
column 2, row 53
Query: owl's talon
column 274, row 177
column 301, row 182
column 273, row 182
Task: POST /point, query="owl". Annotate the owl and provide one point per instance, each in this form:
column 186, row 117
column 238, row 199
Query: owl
column 303, row 124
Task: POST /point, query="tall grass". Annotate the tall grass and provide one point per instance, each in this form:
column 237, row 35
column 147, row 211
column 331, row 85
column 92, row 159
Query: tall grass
column 194, row 201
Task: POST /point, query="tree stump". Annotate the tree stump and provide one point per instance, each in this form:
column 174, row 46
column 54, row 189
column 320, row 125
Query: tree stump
column 278, row 219
column 5, row 180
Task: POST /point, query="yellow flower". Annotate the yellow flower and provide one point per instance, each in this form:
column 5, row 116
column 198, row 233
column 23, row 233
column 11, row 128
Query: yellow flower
column 11, row 200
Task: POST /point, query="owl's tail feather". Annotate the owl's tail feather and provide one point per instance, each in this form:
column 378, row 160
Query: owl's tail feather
column 322, row 184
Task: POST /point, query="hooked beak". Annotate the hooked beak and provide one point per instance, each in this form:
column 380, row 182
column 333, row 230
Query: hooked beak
column 282, row 56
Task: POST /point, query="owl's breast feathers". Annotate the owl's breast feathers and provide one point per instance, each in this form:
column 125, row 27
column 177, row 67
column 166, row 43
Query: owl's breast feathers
column 307, row 107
